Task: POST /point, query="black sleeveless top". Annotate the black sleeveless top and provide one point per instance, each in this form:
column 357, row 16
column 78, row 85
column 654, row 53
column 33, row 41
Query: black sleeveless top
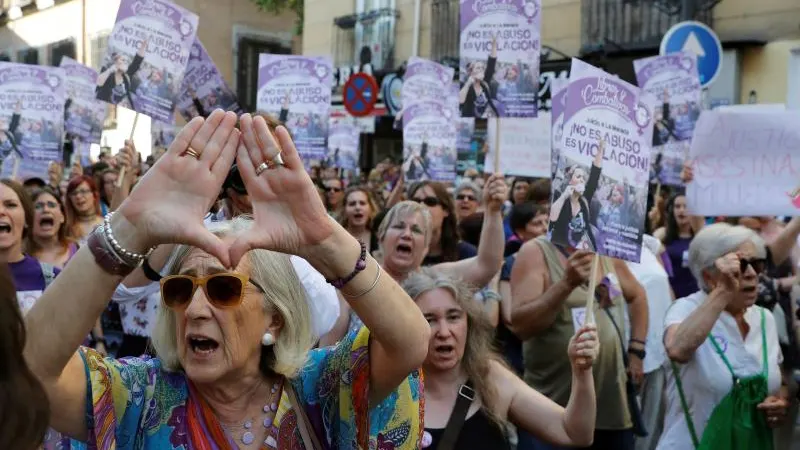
column 478, row 433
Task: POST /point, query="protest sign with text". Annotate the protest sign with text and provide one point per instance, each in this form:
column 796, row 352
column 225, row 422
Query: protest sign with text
column 499, row 68
column 426, row 81
column 600, row 193
column 429, row 142
column 524, row 146
column 147, row 55
column 83, row 113
column 31, row 118
column 746, row 164
column 343, row 139
column 203, row 89
column 297, row 91
column 675, row 81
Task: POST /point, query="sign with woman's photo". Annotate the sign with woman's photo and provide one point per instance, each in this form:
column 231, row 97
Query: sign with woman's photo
column 203, row 89
column 499, row 69
column 31, row 118
column 147, row 55
column 429, row 142
column 674, row 80
column 83, row 113
column 600, row 193
column 343, row 139
column 297, row 91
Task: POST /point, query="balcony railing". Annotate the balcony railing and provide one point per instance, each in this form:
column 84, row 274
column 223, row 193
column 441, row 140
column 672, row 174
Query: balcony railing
column 632, row 24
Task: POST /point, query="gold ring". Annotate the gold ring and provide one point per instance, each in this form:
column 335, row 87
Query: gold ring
column 192, row 152
column 261, row 168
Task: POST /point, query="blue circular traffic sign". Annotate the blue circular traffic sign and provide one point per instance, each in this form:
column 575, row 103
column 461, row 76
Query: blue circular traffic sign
column 697, row 38
column 360, row 94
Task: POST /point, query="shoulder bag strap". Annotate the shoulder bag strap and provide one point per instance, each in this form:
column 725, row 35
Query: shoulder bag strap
column 684, row 405
column 457, row 418
column 722, row 355
column 764, row 343
column 310, row 439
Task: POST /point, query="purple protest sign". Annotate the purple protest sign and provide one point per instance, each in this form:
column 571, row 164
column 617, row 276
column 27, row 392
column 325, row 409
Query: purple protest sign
column 343, row 138
column 297, row 91
column 147, row 55
column 499, row 69
column 429, row 142
column 558, row 97
column 600, row 189
column 675, row 81
column 203, row 89
column 83, row 113
column 425, row 81
column 31, row 118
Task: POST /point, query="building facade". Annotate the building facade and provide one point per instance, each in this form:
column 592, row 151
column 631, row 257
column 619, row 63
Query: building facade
column 233, row 31
column 761, row 41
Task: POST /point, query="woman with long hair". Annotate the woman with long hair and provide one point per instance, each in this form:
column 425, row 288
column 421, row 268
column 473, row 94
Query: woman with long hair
column 359, row 214
column 84, row 213
column 461, row 369
column 24, row 409
column 676, row 235
column 49, row 242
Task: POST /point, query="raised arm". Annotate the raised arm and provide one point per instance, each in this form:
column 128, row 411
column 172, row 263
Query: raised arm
column 161, row 210
column 290, row 218
column 781, row 248
column 682, row 339
column 479, row 270
column 535, row 300
column 533, row 412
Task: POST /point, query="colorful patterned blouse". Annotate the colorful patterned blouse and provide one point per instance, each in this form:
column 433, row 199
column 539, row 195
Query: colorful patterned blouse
column 136, row 404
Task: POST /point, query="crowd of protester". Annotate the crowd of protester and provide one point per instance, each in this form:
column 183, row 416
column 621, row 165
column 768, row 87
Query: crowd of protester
column 233, row 300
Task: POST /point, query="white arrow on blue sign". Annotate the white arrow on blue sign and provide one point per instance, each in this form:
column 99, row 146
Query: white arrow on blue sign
column 698, row 38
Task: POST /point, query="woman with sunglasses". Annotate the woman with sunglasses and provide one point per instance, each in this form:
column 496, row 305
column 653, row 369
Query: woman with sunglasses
column 724, row 387
column 49, row 242
column 334, row 195
column 234, row 367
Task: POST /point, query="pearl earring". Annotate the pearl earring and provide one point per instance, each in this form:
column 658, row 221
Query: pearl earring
column 267, row 339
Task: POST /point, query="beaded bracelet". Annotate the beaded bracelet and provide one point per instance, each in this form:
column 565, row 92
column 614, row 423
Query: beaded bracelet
column 131, row 258
column 361, row 264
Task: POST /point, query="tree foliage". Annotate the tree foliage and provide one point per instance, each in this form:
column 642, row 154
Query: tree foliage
column 279, row 6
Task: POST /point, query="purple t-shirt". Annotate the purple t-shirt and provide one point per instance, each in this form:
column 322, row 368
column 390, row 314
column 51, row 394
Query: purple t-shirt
column 28, row 280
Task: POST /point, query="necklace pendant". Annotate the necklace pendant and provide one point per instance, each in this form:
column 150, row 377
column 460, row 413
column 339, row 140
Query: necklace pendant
column 248, row 438
column 248, row 425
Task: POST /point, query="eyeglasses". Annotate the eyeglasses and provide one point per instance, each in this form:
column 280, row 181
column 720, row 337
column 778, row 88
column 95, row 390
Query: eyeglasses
column 465, row 197
column 758, row 264
column 333, row 189
column 223, row 290
column 428, row 201
column 81, row 192
column 39, row 206
column 234, row 181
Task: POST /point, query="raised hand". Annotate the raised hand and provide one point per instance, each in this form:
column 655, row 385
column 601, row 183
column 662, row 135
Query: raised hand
column 289, row 214
column 579, row 267
column 495, row 193
column 583, row 348
column 169, row 203
column 730, row 272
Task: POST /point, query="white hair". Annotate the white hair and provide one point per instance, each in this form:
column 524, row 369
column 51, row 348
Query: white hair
column 283, row 294
column 715, row 241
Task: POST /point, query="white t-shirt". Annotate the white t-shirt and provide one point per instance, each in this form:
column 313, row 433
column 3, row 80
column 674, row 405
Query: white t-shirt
column 655, row 281
column 706, row 379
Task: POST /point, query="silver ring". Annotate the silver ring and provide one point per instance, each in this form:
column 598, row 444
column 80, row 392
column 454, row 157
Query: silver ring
column 278, row 159
column 261, row 168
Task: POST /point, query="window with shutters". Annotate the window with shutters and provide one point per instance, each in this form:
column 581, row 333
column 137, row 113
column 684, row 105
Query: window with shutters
column 60, row 49
column 28, row 56
column 98, row 45
column 248, row 49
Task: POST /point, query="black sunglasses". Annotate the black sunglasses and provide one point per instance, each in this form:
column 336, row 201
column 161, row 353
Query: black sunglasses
column 465, row 197
column 758, row 264
column 234, row 181
column 428, row 201
column 333, row 189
